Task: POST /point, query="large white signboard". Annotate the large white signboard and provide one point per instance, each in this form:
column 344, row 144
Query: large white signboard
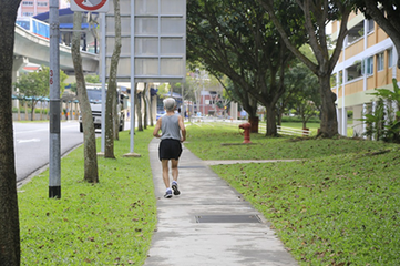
column 153, row 40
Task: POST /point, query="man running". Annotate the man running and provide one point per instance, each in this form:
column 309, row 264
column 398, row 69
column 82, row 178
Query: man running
column 173, row 133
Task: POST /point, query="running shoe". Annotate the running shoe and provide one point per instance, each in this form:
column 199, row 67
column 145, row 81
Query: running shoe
column 168, row 194
column 175, row 188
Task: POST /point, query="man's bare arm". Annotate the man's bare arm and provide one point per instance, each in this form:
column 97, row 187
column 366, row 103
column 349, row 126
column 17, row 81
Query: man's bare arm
column 157, row 128
column 183, row 129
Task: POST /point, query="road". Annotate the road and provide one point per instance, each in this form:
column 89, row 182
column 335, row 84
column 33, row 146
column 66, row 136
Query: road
column 31, row 145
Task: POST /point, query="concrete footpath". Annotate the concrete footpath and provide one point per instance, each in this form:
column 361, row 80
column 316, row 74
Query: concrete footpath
column 209, row 223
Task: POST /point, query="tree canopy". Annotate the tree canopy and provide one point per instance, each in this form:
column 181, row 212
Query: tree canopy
column 315, row 14
column 237, row 38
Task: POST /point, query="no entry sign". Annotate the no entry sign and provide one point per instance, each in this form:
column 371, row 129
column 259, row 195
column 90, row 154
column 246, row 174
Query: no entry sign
column 90, row 5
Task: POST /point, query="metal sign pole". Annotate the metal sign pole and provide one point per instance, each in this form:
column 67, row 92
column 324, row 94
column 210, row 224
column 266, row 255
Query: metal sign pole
column 55, row 103
column 103, row 78
column 133, row 85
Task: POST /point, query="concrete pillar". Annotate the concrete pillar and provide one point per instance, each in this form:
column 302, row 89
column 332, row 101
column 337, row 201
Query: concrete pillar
column 234, row 110
column 18, row 62
column 364, row 125
column 344, row 121
column 373, row 112
column 26, row 118
column 395, row 56
column 76, row 111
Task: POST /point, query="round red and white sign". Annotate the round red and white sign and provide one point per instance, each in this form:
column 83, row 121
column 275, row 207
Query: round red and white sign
column 90, row 5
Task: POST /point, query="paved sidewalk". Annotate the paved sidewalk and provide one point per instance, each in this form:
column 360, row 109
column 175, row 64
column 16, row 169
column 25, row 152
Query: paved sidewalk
column 181, row 240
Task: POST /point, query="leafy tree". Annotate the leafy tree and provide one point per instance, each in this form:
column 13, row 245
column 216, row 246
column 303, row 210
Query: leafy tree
column 237, row 38
column 387, row 14
column 35, row 86
column 92, row 78
column 111, row 122
column 90, row 164
column 10, row 248
column 315, row 16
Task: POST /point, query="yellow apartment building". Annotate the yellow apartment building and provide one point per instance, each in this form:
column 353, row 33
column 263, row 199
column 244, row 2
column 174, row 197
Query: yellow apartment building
column 368, row 61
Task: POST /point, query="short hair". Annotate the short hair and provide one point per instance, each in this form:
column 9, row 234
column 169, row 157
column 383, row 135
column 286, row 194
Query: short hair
column 169, row 104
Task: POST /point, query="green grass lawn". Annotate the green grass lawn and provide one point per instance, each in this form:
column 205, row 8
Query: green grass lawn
column 109, row 223
column 338, row 206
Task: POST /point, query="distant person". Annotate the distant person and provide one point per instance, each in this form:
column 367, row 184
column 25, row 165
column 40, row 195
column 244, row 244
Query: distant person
column 173, row 133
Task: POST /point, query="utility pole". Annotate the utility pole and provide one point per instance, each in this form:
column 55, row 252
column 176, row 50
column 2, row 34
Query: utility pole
column 55, row 107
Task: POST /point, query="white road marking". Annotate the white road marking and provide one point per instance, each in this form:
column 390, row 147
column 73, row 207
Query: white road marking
column 28, row 140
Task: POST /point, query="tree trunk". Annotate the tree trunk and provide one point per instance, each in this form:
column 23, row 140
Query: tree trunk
column 329, row 123
column 279, row 119
column 271, row 120
column 26, row 111
column 253, row 120
column 41, row 111
column 32, row 109
column 19, row 110
column 10, row 250
column 145, row 106
column 90, row 164
column 116, row 120
column 151, row 110
column 112, row 86
column 139, row 112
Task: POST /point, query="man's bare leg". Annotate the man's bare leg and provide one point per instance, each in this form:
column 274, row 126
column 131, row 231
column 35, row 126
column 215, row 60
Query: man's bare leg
column 165, row 173
column 174, row 169
column 175, row 177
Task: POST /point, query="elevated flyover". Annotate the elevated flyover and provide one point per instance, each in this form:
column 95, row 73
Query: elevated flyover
column 32, row 48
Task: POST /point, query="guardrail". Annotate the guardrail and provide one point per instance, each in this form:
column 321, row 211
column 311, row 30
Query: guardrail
column 283, row 130
column 292, row 132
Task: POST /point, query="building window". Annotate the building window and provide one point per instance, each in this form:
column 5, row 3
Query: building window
column 390, row 55
column 379, row 59
column 27, row 3
column 354, row 71
column 42, row 4
column 27, row 14
column 367, row 66
column 371, row 25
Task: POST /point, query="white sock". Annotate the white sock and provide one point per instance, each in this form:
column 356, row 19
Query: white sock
column 169, row 189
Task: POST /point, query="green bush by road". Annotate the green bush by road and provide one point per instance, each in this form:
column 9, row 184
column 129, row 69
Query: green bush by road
column 109, row 223
column 339, row 206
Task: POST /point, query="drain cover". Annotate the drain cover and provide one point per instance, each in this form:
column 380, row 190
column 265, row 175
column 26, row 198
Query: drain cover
column 227, row 219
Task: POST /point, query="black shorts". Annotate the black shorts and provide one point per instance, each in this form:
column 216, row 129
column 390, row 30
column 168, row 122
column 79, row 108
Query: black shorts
column 170, row 149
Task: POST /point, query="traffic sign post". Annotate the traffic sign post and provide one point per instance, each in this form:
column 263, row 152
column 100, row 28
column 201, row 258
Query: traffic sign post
column 90, row 5
column 55, row 107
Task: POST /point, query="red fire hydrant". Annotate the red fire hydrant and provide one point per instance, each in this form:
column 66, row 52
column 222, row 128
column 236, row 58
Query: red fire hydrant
column 246, row 128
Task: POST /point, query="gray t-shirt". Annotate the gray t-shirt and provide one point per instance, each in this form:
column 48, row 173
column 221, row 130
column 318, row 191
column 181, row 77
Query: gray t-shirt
column 170, row 127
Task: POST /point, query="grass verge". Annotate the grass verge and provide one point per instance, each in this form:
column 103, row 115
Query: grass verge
column 109, row 223
column 340, row 206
